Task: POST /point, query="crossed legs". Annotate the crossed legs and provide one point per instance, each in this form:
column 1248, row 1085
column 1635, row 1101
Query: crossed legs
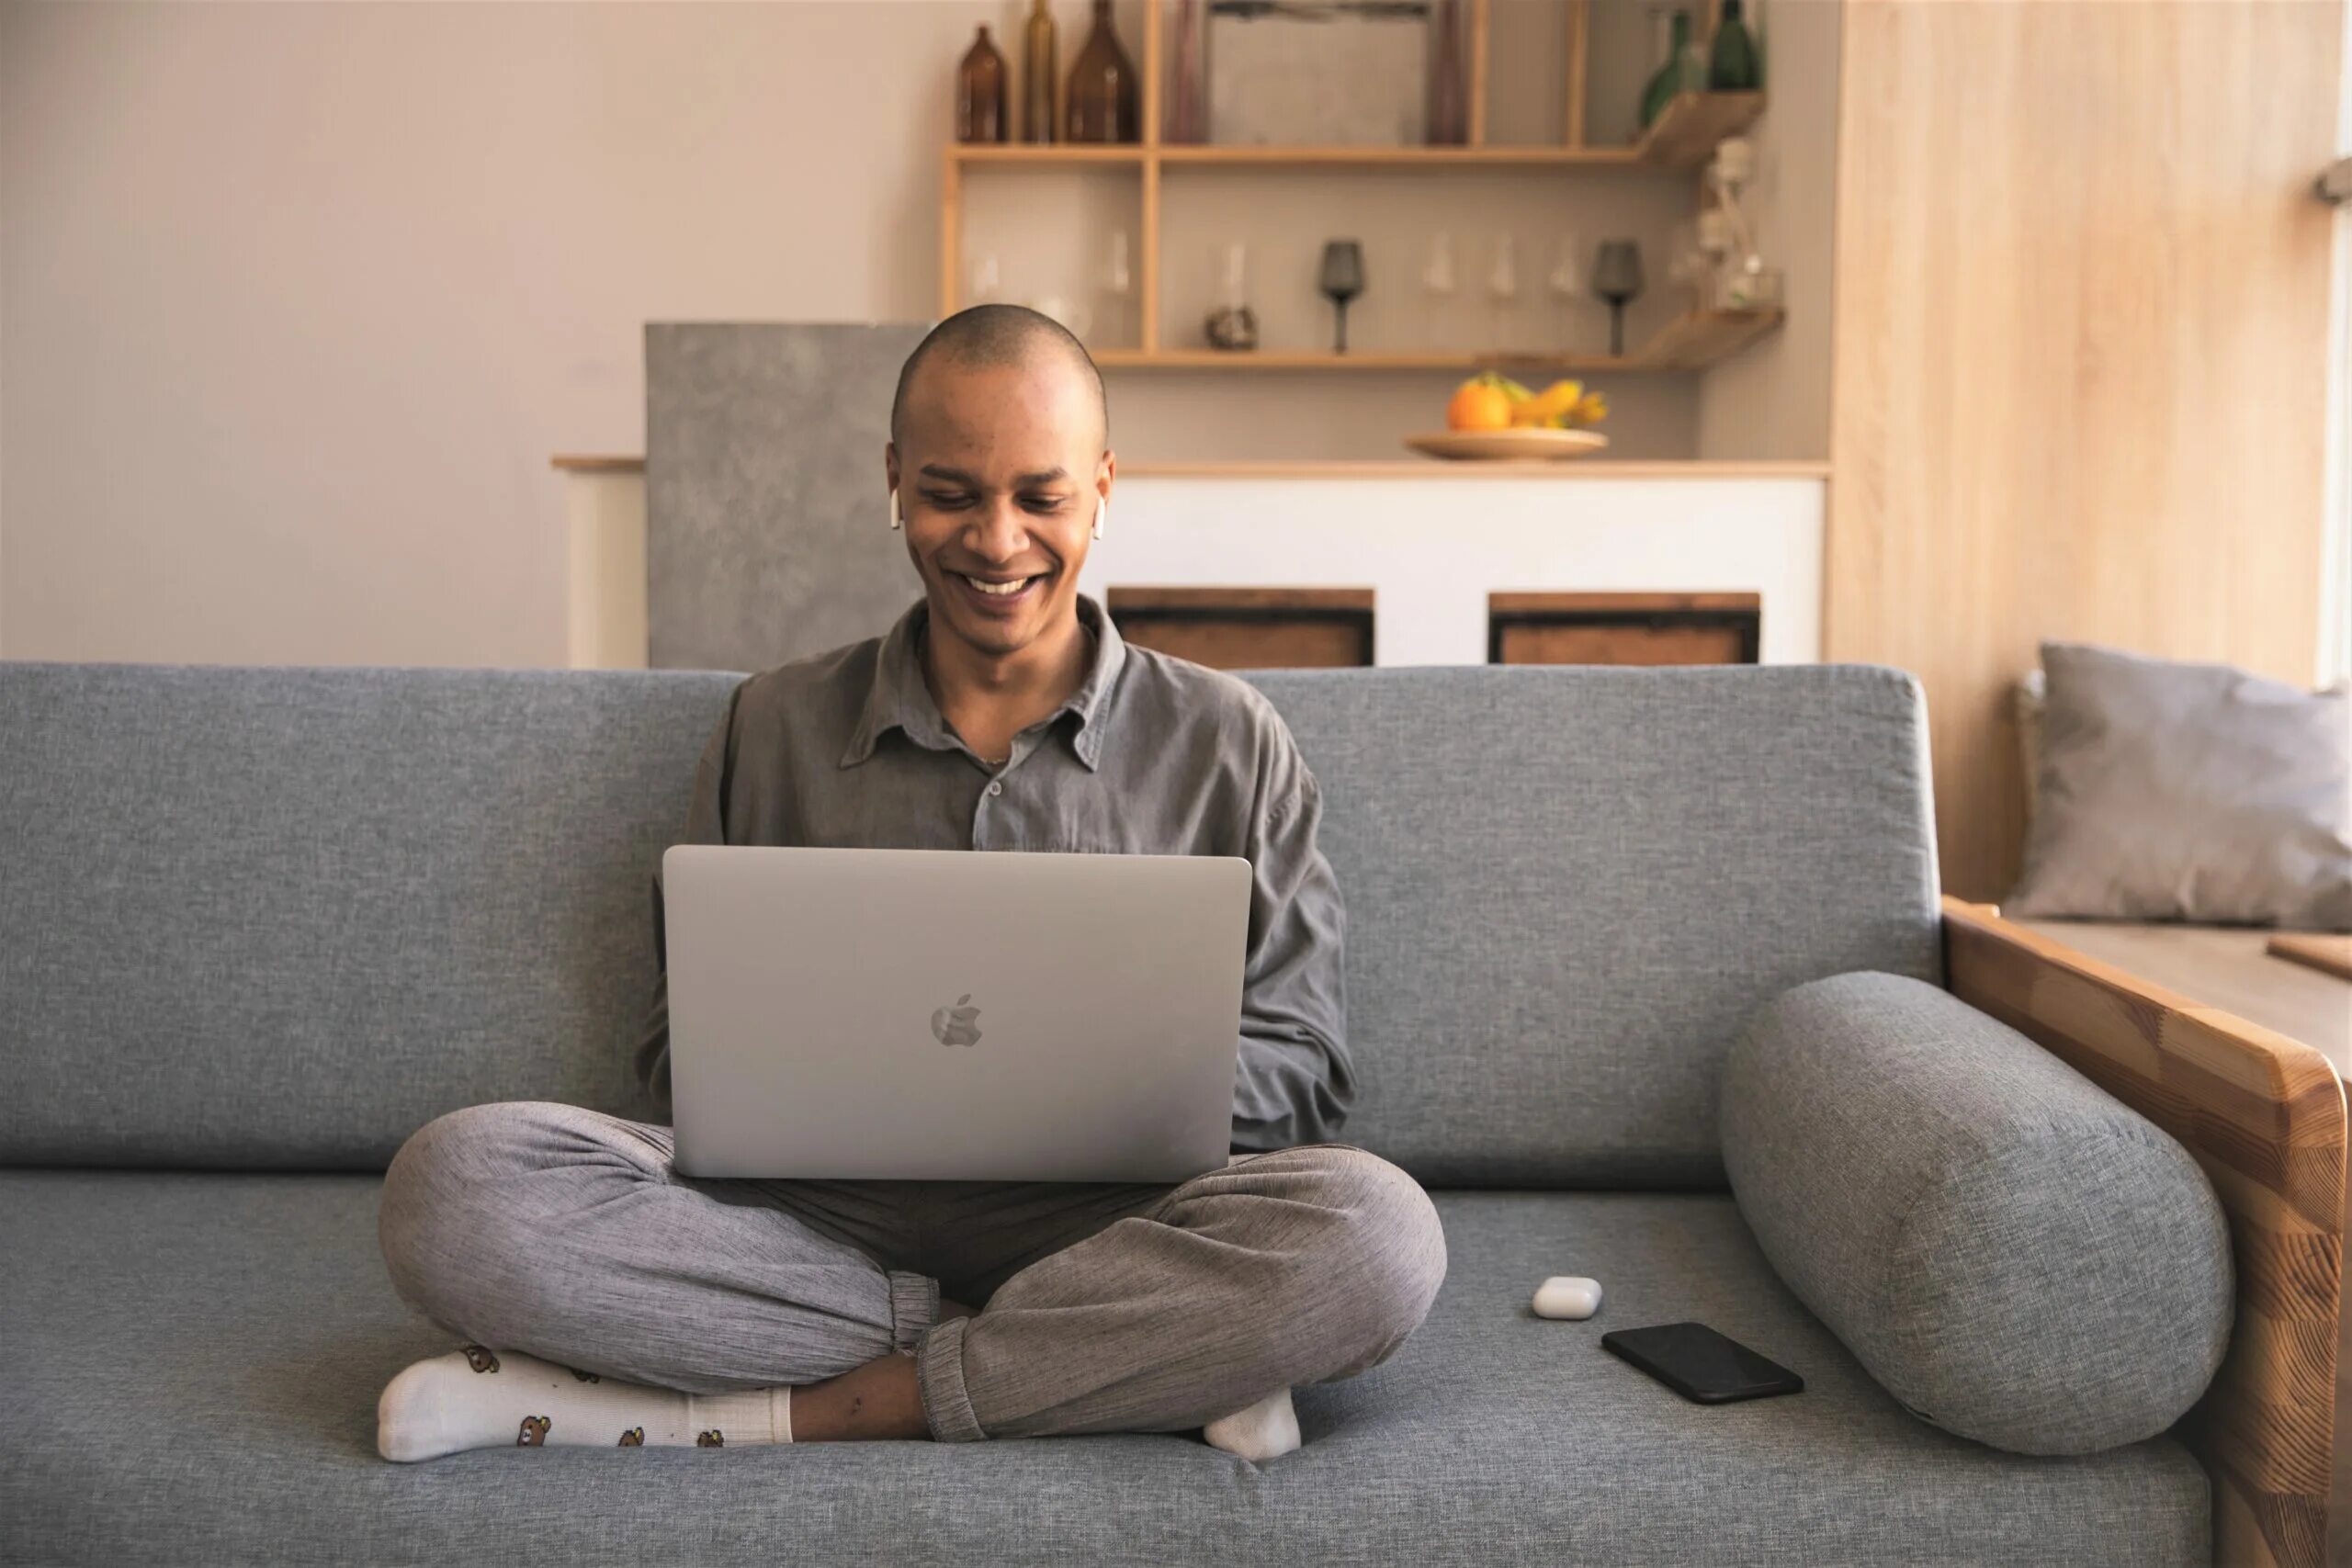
column 565, row 1234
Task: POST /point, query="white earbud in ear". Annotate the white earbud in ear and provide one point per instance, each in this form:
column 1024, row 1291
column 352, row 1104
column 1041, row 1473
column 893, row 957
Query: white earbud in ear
column 1102, row 510
column 895, row 518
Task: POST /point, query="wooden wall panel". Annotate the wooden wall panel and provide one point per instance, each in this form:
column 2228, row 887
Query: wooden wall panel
column 2080, row 355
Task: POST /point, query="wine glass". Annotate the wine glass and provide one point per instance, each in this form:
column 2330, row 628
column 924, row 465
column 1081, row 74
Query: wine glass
column 1566, row 283
column 1437, row 282
column 1118, row 282
column 1617, row 277
column 987, row 280
column 1342, row 281
column 1502, row 283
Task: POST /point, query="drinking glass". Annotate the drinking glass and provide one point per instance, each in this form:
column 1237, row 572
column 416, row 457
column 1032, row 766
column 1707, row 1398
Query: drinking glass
column 1118, row 283
column 1437, row 282
column 1617, row 277
column 1566, row 283
column 1342, row 281
column 1502, row 284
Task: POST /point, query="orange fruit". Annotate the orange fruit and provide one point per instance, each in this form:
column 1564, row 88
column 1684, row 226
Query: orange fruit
column 1478, row 406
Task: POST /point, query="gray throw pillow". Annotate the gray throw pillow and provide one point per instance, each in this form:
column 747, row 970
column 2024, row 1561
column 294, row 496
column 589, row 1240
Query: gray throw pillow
column 2171, row 790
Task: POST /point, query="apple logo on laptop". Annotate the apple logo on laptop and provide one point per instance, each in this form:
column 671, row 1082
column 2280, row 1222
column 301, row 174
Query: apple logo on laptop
column 958, row 1025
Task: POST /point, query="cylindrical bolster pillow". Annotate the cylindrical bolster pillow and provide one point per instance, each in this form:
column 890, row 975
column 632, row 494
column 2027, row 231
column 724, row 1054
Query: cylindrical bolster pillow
column 2012, row 1253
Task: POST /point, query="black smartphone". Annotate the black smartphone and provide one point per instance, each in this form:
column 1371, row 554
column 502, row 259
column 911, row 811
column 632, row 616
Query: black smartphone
column 1699, row 1363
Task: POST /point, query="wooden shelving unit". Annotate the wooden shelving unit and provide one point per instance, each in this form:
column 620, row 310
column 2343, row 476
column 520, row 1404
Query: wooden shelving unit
column 1684, row 137
column 1688, row 342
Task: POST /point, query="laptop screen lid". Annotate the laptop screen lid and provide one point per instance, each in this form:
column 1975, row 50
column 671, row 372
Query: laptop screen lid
column 953, row 1015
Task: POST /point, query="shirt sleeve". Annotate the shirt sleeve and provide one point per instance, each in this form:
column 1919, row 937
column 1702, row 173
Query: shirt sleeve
column 1293, row 1083
column 705, row 824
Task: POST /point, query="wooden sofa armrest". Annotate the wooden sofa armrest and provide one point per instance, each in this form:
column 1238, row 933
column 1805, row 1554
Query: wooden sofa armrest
column 2264, row 1116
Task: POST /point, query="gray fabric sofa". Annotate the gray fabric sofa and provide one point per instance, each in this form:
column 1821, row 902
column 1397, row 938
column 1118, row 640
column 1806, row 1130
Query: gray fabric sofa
column 259, row 924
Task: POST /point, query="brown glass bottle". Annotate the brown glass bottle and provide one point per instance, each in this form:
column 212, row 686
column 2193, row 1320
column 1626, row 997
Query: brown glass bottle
column 1103, row 102
column 979, row 93
column 1042, row 75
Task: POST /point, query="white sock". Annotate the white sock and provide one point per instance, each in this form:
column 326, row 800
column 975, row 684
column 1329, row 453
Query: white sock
column 1267, row 1429
column 480, row 1398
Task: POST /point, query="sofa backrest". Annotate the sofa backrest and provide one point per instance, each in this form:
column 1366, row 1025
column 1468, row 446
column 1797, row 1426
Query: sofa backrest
column 1567, row 889
column 280, row 918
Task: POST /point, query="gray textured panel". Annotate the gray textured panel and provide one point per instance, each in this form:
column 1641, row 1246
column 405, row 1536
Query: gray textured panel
column 191, row 1367
column 767, row 516
column 284, row 917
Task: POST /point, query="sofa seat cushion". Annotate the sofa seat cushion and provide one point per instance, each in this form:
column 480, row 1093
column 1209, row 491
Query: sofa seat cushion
column 191, row 1363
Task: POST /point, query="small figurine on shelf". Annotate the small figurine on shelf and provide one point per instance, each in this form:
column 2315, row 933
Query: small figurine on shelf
column 1103, row 107
column 1233, row 325
column 979, row 93
column 1742, row 281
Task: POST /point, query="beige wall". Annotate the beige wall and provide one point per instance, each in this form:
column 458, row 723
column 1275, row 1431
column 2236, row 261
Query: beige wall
column 2081, row 355
column 298, row 298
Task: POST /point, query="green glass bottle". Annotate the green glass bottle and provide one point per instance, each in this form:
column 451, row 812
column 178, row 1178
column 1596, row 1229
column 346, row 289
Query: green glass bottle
column 1732, row 68
column 1669, row 80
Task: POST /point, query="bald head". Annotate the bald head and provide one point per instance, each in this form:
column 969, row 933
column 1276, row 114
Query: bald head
column 996, row 336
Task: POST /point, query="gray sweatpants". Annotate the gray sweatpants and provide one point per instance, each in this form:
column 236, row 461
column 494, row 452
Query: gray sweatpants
column 566, row 1234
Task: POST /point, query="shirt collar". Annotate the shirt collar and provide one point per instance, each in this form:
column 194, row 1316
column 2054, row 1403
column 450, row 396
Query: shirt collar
column 897, row 699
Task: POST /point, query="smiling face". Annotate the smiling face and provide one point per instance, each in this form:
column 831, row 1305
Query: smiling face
column 999, row 471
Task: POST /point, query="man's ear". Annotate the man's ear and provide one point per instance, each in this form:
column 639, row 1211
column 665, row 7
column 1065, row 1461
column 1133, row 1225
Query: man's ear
column 890, row 463
column 1104, row 471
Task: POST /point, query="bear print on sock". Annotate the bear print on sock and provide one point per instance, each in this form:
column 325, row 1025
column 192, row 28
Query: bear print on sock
column 711, row 1439
column 481, row 1358
column 633, row 1439
column 534, row 1434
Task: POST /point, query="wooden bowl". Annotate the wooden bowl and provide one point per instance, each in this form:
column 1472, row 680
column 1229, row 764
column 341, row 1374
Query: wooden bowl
column 1519, row 444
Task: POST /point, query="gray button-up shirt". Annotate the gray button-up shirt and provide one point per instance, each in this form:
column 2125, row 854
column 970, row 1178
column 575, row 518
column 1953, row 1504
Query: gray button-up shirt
column 1149, row 755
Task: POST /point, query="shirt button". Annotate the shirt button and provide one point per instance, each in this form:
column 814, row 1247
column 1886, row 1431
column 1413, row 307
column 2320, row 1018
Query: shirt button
column 995, row 786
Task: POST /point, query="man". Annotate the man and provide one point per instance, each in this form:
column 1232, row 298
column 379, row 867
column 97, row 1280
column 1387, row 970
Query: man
column 612, row 1301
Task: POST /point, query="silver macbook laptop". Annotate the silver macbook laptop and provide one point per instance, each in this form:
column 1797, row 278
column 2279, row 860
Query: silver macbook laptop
column 952, row 1015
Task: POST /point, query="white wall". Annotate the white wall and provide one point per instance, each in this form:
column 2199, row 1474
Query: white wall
column 298, row 300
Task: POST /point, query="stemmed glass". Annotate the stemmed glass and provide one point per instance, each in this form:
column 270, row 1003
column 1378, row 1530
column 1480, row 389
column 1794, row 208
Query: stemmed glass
column 1342, row 281
column 1118, row 282
column 1502, row 283
column 1437, row 281
column 1617, row 277
column 1566, row 285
